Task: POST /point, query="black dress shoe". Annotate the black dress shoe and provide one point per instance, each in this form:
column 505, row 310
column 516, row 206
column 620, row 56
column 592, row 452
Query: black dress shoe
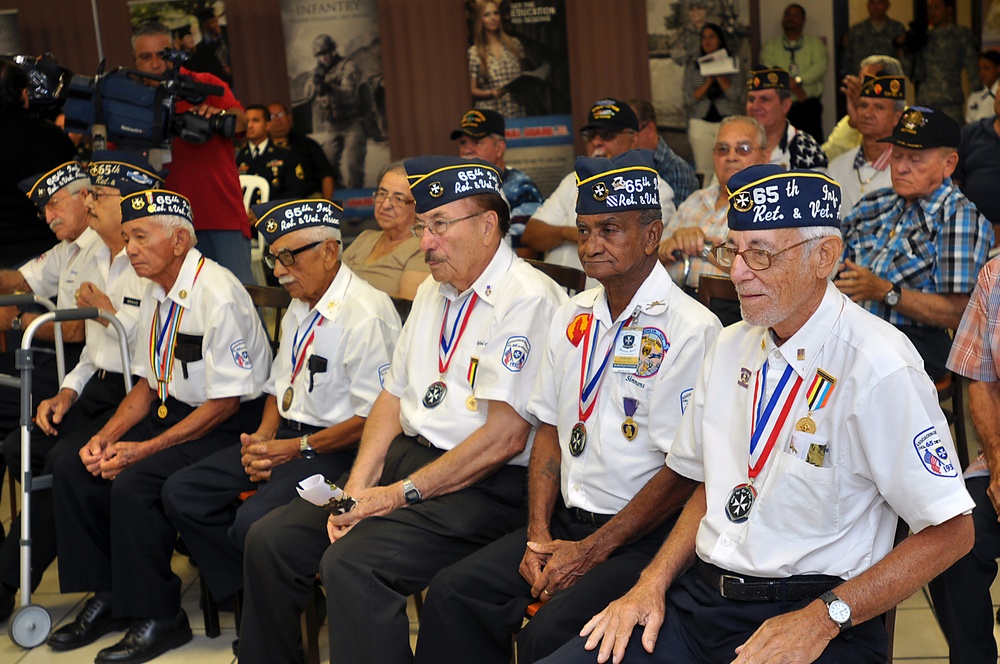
column 93, row 622
column 147, row 639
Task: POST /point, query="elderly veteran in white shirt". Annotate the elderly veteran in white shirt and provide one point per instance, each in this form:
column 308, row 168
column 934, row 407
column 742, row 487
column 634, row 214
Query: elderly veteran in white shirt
column 337, row 338
column 831, row 433
column 441, row 467
column 204, row 358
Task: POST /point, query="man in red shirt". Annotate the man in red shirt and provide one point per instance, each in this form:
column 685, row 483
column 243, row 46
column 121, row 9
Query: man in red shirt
column 203, row 172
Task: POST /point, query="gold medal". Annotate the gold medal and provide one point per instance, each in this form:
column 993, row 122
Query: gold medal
column 161, row 412
column 286, row 398
column 471, row 403
column 629, row 429
column 805, row 425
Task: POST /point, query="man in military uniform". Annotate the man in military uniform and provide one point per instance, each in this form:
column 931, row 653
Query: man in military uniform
column 260, row 156
column 338, row 111
column 316, row 167
column 601, row 502
column 912, row 253
column 876, row 35
column 337, row 338
column 205, row 358
column 937, row 66
column 440, row 470
column 768, row 102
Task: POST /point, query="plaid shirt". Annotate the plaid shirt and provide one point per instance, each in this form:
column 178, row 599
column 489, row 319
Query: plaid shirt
column 699, row 210
column 675, row 171
column 937, row 245
column 975, row 353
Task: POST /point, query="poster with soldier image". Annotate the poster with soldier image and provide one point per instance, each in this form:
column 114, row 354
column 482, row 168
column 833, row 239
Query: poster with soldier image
column 198, row 28
column 338, row 97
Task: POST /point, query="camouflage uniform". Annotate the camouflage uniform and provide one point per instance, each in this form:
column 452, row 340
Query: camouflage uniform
column 937, row 69
column 864, row 39
column 337, row 111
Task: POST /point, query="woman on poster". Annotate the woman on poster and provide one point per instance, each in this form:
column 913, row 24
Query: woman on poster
column 709, row 99
column 495, row 59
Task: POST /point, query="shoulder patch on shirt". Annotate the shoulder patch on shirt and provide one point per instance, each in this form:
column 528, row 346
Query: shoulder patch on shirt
column 651, row 351
column 134, row 301
column 382, row 371
column 933, row 454
column 577, row 329
column 515, row 353
column 686, row 399
column 240, row 355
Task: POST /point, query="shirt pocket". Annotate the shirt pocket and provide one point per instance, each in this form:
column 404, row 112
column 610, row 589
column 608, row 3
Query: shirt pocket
column 799, row 501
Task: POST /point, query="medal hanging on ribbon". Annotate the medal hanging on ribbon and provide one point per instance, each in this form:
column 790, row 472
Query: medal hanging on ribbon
column 300, row 346
column 446, row 349
column 629, row 428
column 817, row 395
column 768, row 421
column 471, row 402
column 163, row 343
column 590, row 381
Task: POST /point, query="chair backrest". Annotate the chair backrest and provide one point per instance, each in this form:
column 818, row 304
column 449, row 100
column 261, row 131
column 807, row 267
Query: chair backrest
column 403, row 307
column 569, row 278
column 271, row 297
column 254, row 184
column 952, row 401
column 889, row 617
column 716, row 288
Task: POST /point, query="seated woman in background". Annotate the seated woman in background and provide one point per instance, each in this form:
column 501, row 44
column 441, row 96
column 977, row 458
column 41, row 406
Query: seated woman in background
column 390, row 258
column 709, row 99
column 495, row 59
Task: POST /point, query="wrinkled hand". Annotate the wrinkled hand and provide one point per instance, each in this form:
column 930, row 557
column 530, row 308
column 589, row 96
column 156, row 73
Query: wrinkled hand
column 690, row 240
column 259, row 454
column 51, row 411
column 373, row 501
column 89, row 295
column 566, row 562
column 119, row 456
column 860, row 284
column 92, row 453
column 612, row 628
column 798, row 637
column 532, row 562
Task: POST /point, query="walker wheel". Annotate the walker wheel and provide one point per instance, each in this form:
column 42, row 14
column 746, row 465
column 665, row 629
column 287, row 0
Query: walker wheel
column 30, row 626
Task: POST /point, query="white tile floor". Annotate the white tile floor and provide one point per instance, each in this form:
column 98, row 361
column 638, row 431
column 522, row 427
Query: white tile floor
column 918, row 637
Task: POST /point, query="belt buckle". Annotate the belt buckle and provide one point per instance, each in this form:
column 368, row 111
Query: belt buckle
column 722, row 583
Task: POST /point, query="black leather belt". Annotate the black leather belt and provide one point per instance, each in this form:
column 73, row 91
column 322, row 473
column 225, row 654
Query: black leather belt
column 423, row 441
column 743, row 588
column 301, row 427
column 104, row 374
column 583, row 516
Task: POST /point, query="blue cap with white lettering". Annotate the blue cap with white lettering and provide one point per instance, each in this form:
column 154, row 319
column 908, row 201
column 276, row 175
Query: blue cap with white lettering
column 767, row 196
column 437, row 180
column 278, row 218
column 622, row 183
column 40, row 188
column 155, row 202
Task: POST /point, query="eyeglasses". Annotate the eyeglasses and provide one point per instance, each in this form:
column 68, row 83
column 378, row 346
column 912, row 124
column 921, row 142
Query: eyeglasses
column 756, row 259
column 287, row 256
column 98, row 195
column 438, row 227
column 397, row 200
column 742, row 149
column 603, row 134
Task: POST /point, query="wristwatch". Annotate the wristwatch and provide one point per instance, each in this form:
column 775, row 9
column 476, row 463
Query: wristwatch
column 305, row 449
column 891, row 298
column 838, row 610
column 410, row 492
column 15, row 322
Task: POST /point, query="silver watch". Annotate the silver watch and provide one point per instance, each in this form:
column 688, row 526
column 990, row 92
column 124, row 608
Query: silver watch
column 305, row 449
column 838, row 610
column 410, row 492
column 891, row 298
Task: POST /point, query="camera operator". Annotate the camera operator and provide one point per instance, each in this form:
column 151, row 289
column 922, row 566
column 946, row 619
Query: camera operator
column 935, row 57
column 203, row 172
column 28, row 145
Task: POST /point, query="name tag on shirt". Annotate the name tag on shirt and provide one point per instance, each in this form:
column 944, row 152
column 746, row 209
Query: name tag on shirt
column 131, row 301
column 626, row 355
